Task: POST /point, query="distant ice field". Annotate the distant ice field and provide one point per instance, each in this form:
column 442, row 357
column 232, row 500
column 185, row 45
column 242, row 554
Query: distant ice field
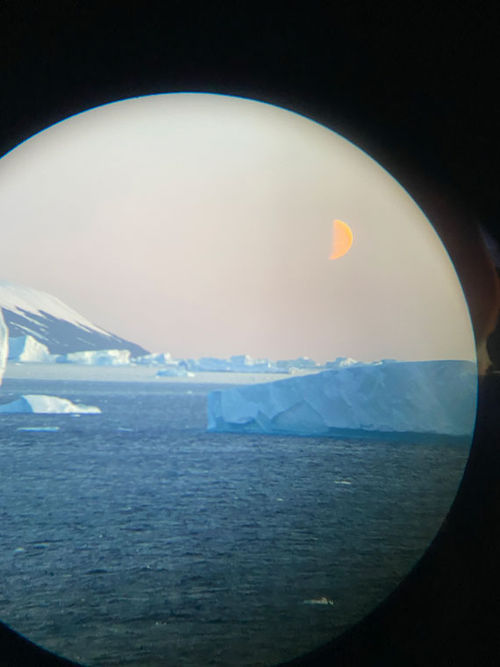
column 134, row 537
column 129, row 373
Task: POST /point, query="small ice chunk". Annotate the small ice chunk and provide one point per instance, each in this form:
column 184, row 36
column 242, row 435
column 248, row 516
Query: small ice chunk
column 38, row 428
column 320, row 601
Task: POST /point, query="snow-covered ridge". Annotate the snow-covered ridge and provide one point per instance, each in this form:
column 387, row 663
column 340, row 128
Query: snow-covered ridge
column 400, row 397
column 44, row 317
column 18, row 299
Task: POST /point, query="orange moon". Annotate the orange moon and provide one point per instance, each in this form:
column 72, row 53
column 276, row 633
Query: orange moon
column 341, row 239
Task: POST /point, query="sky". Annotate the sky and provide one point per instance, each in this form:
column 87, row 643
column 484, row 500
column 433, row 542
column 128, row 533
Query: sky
column 201, row 225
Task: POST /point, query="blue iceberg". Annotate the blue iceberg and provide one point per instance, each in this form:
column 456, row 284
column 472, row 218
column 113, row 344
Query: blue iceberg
column 420, row 397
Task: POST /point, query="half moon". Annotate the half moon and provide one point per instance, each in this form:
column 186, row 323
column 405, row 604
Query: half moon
column 341, row 239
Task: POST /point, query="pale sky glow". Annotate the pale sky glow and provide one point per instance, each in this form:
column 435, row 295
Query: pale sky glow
column 202, row 225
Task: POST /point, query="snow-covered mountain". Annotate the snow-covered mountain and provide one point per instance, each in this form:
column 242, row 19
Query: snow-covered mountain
column 28, row 311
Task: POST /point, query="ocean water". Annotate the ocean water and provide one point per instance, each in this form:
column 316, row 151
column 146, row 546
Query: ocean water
column 136, row 538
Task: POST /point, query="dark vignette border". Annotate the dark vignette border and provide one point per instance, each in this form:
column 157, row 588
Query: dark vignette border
column 416, row 90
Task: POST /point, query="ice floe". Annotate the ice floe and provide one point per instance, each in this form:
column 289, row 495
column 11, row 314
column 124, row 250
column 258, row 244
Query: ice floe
column 43, row 404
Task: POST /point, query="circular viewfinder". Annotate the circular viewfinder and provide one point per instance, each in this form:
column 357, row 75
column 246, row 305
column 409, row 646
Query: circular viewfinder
column 240, row 388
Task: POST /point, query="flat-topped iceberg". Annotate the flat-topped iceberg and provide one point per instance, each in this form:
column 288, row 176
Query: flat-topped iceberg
column 96, row 358
column 244, row 363
column 388, row 397
column 342, row 362
column 42, row 404
column 154, row 359
column 238, row 363
column 4, row 345
column 289, row 365
column 209, row 365
column 174, row 371
column 28, row 349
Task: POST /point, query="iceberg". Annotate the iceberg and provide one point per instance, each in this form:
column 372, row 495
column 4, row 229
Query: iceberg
column 428, row 397
column 301, row 363
column 244, row 363
column 28, row 349
column 42, row 404
column 96, row 358
column 174, row 371
column 238, row 363
column 155, row 359
column 342, row 362
column 209, row 365
column 4, row 345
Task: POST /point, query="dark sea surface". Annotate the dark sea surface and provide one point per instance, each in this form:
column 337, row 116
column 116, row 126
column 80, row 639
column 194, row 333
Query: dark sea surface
column 136, row 538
